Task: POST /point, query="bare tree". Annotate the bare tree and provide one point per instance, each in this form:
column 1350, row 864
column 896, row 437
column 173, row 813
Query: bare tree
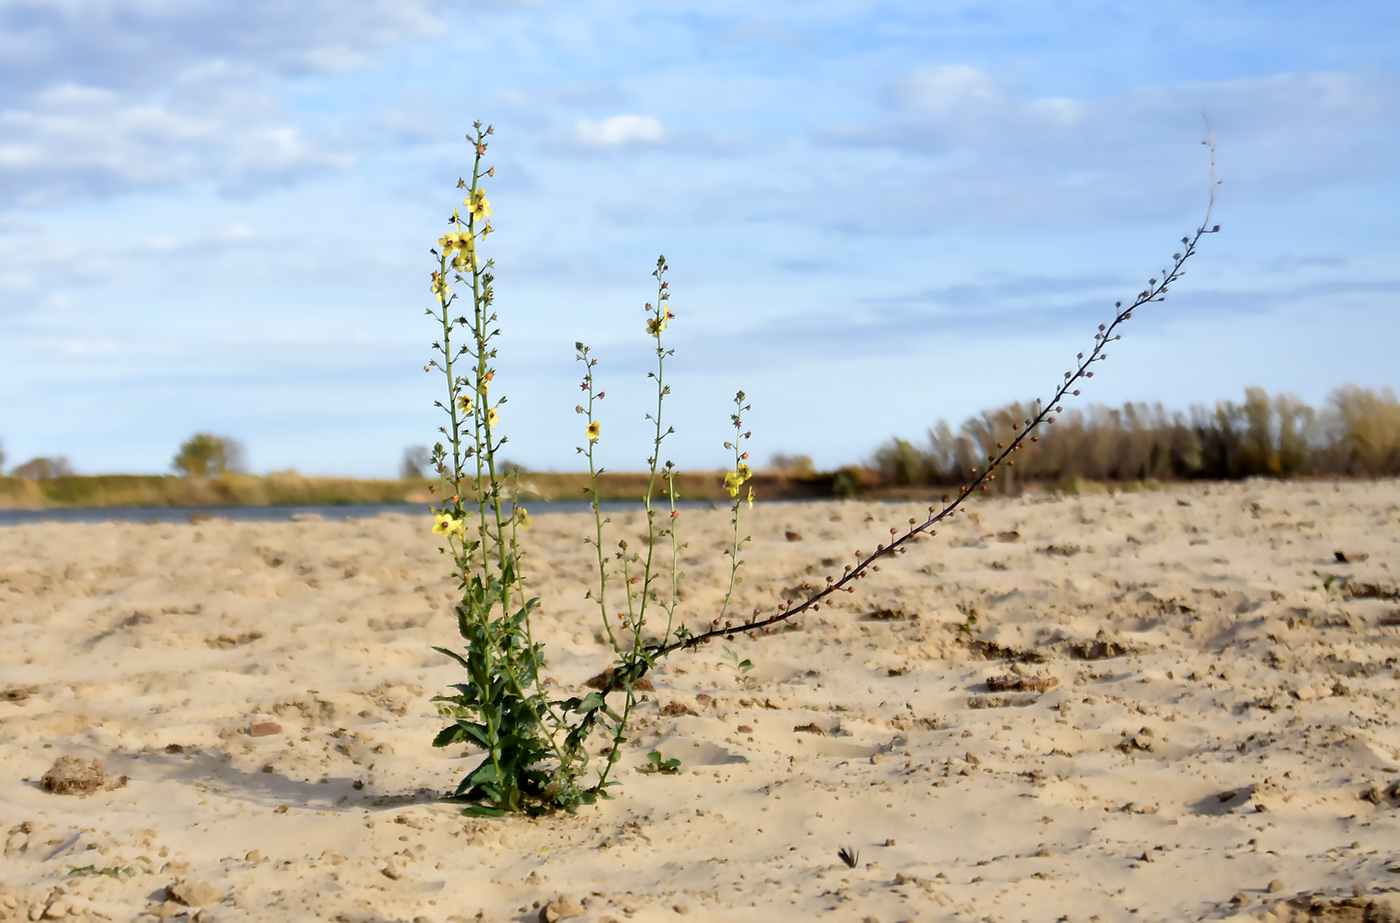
column 43, row 469
column 417, row 461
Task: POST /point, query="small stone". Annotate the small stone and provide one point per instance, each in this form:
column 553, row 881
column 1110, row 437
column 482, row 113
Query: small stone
column 71, row 776
column 561, row 908
column 194, row 893
column 602, row 680
column 264, row 728
column 1275, row 886
column 252, row 856
column 1240, row 898
column 792, row 536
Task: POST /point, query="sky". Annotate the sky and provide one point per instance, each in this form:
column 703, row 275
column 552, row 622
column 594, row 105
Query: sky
column 216, row 215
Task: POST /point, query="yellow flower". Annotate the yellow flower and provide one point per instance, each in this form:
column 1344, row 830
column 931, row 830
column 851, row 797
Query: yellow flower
column 480, row 208
column 465, row 404
column 522, row 516
column 732, row 480
column 492, row 417
column 440, row 288
column 750, row 497
column 657, row 324
column 448, row 525
column 744, row 472
column 464, row 246
column 594, row 429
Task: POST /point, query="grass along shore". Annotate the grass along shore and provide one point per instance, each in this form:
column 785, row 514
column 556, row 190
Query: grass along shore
column 292, row 489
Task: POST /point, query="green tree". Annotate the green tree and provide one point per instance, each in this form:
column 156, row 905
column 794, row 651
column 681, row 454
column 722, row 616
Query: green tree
column 900, row 463
column 206, row 455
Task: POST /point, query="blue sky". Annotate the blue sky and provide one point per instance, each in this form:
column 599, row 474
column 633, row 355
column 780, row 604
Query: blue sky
column 215, row 216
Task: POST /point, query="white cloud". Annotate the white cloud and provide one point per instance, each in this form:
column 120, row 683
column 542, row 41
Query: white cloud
column 985, row 154
column 151, row 94
column 619, row 130
column 958, row 106
column 83, row 141
column 941, row 90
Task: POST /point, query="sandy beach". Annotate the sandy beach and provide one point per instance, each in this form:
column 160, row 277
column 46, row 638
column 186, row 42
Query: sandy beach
column 1170, row 705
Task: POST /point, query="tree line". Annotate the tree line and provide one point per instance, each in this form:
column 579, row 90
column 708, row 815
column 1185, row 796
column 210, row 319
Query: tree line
column 1355, row 434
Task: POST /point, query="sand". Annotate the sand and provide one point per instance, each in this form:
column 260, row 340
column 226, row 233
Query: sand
column 1219, row 740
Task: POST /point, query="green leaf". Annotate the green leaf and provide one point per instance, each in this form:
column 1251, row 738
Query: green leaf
column 485, row 774
column 482, row 810
column 454, row 655
column 477, row 732
column 656, row 764
column 448, row 736
column 589, row 702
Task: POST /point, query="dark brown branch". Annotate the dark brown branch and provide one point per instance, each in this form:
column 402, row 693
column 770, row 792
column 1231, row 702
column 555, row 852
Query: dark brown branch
column 1156, row 290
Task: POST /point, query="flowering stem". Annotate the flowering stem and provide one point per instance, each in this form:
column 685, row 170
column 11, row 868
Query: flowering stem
column 659, row 317
column 593, row 432
column 736, row 480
